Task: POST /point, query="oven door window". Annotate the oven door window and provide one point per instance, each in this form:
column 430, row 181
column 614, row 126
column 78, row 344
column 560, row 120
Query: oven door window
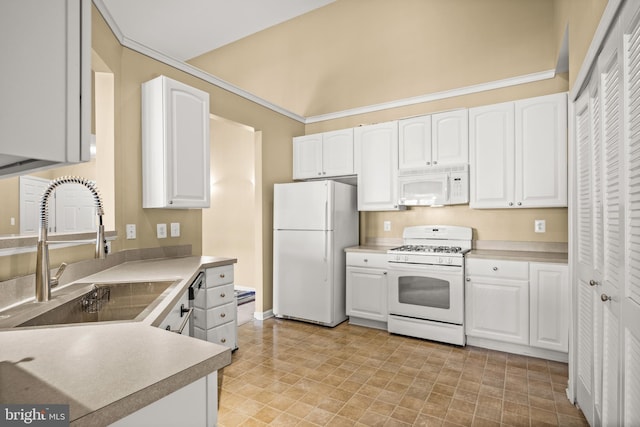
column 424, row 291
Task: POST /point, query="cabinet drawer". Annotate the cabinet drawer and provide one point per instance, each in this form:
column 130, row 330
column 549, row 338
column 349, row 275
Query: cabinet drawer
column 367, row 259
column 223, row 335
column 497, row 268
column 207, row 319
column 219, row 276
column 214, row 297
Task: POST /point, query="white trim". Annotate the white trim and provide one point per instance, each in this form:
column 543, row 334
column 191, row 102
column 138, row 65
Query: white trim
column 196, row 72
column 264, row 315
column 606, row 21
column 466, row 90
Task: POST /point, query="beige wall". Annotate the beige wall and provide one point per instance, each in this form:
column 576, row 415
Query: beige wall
column 228, row 226
column 352, row 53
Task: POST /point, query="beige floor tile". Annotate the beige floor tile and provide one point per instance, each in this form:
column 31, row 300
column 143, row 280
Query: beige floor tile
column 289, row 373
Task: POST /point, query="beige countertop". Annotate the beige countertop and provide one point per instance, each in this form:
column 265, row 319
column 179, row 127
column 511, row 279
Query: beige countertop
column 529, row 256
column 371, row 248
column 108, row 370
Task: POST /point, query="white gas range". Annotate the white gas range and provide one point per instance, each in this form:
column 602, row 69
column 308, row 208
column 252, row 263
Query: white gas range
column 426, row 283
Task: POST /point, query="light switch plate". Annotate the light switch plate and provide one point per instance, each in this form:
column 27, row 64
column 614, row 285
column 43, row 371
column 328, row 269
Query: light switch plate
column 175, row 229
column 540, row 226
column 131, row 231
column 161, row 231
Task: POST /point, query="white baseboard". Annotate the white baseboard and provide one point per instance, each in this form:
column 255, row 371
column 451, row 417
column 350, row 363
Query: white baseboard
column 264, row 315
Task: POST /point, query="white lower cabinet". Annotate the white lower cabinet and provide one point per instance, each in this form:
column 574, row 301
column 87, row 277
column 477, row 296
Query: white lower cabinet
column 194, row 405
column 366, row 286
column 215, row 313
column 517, row 306
column 549, row 302
column 497, row 300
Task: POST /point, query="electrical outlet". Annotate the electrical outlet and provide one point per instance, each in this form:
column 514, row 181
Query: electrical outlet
column 540, row 226
column 386, row 225
column 131, row 231
column 161, row 231
column 175, row 229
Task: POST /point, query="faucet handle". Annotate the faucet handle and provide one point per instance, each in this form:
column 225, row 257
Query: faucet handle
column 56, row 278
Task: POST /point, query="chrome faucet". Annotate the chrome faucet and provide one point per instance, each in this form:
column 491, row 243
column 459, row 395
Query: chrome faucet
column 44, row 281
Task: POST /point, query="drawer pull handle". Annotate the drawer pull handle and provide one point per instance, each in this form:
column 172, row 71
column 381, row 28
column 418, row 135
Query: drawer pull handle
column 223, row 340
column 222, row 295
column 223, row 315
column 495, row 268
column 366, row 260
column 222, row 275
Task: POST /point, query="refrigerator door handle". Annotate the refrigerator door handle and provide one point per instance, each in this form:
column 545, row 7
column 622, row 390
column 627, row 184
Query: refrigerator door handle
column 326, row 215
column 326, row 255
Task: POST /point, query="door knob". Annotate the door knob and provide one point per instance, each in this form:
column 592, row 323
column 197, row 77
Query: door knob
column 605, row 297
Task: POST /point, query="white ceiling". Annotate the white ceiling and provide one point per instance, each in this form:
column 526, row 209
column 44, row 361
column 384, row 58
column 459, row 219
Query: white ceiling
column 184, row 29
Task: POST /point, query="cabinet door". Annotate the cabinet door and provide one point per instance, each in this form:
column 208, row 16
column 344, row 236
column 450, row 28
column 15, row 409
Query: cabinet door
column 549, row 302
column 541, row 151
column 414, row 142
column 450, row 137
column 367, row 293
column 307, row 156
column 46, row 67
column 188, row 145
column 175, row 145
column 337, row 153
column 491, row 149
column 376, row 148
column 497, row 309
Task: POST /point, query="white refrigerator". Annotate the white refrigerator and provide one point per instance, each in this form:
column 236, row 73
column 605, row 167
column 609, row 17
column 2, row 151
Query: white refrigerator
column 313, row 222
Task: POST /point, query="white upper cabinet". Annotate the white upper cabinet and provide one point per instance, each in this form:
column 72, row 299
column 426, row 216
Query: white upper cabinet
column 541, row 151
column 323, row 155
column 433, row 140
column 46, row 79
column 376, row 160
column 175, row 145
column 518, row 153
column 450, row 137
column 414, row 142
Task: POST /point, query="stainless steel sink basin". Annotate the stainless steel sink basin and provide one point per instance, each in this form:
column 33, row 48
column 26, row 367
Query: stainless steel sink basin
column 102, row 302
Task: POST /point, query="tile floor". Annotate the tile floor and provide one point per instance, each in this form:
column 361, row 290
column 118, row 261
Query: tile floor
column 288, row 373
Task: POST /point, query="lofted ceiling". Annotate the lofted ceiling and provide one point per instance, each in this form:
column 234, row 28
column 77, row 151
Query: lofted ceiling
column 185, row 29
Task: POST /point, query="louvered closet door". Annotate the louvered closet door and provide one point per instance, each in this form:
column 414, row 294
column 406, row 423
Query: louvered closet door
column 630, row 304
column 585, row 342
column 613, row 175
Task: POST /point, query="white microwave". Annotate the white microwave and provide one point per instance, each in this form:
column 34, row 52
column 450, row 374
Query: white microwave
column 434, row 186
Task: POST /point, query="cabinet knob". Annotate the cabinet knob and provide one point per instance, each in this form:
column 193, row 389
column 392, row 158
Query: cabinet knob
column 223, row 340
column 366, row 260
column 593, row 283
column 319, row 173
column 222, row 295
column 468, row 279
column 222, row 275
column 324, row 173
column 170, row 202
column 605, row 297
column 519, row 203
column 223, row 315
column 510, row 203
column 435, row 163
column 495, row 268
column 428, row 163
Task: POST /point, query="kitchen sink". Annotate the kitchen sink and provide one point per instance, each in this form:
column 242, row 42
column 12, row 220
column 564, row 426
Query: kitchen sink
column 103, row 302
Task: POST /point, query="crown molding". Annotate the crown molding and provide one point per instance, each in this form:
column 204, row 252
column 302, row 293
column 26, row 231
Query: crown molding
column 466, row 90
